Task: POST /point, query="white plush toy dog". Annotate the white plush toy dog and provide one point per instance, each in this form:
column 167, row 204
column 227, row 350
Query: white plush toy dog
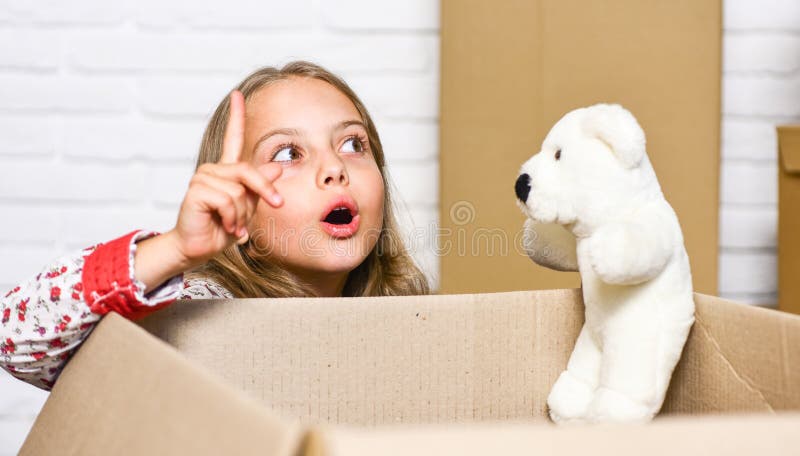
column 594, row 206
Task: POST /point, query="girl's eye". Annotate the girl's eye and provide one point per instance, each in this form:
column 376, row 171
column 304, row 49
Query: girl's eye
column 353, row 144
column 558, row 154
column 286, row 154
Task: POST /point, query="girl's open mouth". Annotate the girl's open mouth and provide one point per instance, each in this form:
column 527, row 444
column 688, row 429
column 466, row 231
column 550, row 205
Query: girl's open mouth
column 339, row 227
column 341, row 219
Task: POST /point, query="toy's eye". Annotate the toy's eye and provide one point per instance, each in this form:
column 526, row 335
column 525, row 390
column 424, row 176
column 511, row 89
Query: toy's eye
column 558, row 154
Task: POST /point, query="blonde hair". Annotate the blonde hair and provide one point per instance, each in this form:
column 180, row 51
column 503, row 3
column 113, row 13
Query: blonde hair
column 388, row 269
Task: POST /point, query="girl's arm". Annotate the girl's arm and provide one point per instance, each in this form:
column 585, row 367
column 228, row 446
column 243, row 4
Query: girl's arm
column 45, row 319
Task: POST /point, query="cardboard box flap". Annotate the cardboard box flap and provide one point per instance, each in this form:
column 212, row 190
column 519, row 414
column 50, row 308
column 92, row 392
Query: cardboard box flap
column 789, row 148
column 125, row 392
column 737, row 358
column 462, row 358
column 384, row 360
column 724, row 436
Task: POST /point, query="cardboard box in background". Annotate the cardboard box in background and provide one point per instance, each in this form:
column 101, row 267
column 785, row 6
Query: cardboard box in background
column 511, row 69
column 789, row 218
column 318, row 375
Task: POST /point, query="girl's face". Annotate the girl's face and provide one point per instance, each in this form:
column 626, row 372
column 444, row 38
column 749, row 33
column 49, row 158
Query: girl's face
column 315, row 132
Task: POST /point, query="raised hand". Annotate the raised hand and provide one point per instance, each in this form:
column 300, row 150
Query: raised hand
column 222, row 196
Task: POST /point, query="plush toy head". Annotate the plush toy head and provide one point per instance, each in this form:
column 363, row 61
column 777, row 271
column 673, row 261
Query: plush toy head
column 591, row 160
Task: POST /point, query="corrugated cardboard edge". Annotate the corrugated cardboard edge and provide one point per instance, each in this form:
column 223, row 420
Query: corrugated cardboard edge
column 789, row 148
column 108, row 388
column 738, row 358
column 710, row 435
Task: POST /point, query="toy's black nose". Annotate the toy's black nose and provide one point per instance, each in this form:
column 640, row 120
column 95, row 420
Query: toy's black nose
column 522, row 187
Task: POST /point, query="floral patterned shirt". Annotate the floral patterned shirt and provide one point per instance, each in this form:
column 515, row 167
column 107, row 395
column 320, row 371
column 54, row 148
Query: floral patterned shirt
column 45, row 319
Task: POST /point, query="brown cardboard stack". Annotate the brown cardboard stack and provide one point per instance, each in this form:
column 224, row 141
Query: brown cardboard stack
column 789, row 218
column 461, row 374
column 511, row 69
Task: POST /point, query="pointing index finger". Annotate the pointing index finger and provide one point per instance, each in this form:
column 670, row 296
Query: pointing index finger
column 234, row 132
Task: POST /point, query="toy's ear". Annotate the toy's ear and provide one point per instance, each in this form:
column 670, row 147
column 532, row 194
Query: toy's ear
column 616, row 126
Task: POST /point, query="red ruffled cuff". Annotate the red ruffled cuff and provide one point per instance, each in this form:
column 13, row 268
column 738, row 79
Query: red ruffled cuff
column 107, row 281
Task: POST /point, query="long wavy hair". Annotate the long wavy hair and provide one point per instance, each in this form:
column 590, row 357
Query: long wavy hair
column 388, row 269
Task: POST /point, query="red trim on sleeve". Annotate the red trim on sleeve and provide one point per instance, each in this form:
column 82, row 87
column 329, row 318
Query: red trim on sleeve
column 107, row 282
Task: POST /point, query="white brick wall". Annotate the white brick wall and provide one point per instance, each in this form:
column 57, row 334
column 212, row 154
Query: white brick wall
column 103, row 104
column 117, row 92
column 761, row 89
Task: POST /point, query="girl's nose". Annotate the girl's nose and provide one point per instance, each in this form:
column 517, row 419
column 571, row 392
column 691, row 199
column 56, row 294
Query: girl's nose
column 333, row 172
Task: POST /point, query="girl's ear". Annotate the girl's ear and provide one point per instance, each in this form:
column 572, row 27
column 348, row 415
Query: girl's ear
column 616, row 126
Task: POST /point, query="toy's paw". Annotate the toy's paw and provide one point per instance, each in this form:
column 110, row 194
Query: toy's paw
column 611, row 254
column 550, row 245
column 609, row 405
column 569, row 399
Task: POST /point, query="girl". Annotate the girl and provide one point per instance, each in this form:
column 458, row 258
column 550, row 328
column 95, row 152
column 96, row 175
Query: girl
column 291, row 199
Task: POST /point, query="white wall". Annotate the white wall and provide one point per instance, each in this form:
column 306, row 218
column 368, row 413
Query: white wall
column 102, row 106
column 761, row 89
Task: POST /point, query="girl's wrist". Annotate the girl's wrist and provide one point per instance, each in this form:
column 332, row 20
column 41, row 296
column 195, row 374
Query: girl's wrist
column 172, row 244
column 159, row 258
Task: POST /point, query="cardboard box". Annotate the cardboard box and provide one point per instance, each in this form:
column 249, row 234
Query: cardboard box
column 789, row 218
column 511, row 69
column 439, row 374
